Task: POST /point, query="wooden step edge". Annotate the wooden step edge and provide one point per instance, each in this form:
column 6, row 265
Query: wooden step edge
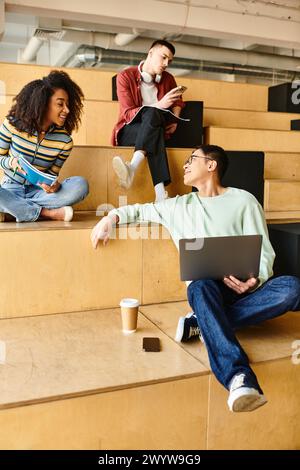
column 85, row 393
column 250, row 129
column 88, row 219
column 82, row 220
column 119, row 149
column 271, row 152
column 272, row 113
column 281, row 180
column 282, row 216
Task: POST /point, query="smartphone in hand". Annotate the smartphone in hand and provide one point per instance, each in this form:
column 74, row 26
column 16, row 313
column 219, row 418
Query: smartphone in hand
column 179, row 89
column 182, row 88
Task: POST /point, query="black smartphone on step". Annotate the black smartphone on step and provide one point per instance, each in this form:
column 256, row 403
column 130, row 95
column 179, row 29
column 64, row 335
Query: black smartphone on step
column 151, row 344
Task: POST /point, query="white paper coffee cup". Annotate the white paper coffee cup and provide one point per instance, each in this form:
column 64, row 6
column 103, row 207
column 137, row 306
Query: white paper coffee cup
column 129, row 314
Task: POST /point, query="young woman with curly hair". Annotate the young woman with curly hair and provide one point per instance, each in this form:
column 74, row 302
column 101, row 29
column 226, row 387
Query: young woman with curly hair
column 39, row 127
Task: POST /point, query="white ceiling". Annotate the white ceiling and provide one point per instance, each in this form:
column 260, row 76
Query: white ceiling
column 255, row 26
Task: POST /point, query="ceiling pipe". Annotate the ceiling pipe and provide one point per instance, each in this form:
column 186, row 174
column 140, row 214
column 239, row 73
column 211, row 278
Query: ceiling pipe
column 94, row 56
column 188, row 51
column 123, row 39
column 30, row 52
column 83, row 55
column 208, row 53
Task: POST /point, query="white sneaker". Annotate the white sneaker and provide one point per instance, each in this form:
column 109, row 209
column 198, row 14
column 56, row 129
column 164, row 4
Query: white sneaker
column 68, row 213
column 123, row 171
column 243, row 398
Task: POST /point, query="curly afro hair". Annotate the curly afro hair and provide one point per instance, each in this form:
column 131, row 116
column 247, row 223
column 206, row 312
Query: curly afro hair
column 31, row 104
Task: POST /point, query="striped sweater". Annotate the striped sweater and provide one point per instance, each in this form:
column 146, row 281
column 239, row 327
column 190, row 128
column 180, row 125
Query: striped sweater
column 48, row 155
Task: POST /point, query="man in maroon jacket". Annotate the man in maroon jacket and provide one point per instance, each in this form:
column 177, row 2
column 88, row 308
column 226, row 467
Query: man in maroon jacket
column 144, row 91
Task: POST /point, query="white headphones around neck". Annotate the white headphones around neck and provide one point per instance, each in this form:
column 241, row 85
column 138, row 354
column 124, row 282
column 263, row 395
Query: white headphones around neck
column 146, row 77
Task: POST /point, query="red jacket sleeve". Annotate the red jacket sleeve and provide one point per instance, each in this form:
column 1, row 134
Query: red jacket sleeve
column 128, row 103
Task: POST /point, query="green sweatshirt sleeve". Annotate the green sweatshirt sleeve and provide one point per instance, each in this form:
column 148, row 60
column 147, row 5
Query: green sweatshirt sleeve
column 160, row 213
column 254, row 223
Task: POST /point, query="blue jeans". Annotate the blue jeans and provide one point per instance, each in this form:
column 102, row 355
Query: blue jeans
column 220, row 311
column 25, row 201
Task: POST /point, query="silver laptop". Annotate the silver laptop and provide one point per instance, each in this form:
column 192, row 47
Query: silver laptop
column 217, row 257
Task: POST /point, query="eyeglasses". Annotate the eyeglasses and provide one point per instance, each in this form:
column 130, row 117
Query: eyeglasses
column 189, row 161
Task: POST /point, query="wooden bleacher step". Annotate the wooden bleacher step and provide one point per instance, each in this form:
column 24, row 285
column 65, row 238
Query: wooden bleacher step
column 95, row 164
column 247, row 119
column 282, row 195
column 104, row 188
column 97, row 86
column 81, row 278
column 282, row 180
column 99, row 118
column 75, row 381
column 61, row 272
column 282, row 165
column 270, row 347
column 282, row 216
column 254, row 139
column 267, row 341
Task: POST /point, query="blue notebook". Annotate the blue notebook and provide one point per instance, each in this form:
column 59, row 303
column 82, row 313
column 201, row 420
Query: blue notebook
column 33, row 175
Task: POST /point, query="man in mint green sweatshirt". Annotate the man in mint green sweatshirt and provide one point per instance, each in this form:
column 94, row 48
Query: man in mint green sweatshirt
column 220, row 307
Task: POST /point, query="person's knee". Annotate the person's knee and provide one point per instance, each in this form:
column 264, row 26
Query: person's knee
column 290, row 288
column 83, row 186
column 201, row 284
column 197, row 287
column 153, row 115
column 294, row 291
column 200, row 290
column 80, row 187
column 75, row 189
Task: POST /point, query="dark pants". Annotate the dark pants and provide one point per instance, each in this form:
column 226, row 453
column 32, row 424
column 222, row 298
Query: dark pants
column 148, row 134
column 220, row 311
